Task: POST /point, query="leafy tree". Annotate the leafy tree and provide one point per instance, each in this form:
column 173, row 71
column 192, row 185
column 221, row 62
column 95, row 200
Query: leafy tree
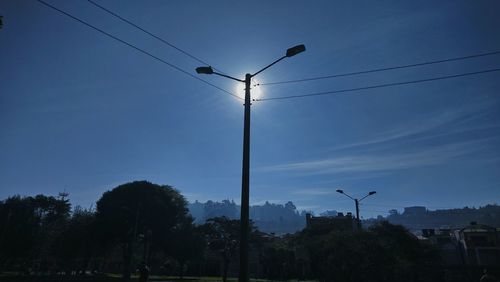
column 139, row 207
column 187, row 245
column 385, row 252
column 415, row 261
column 17, row 229
column 278, row 263
column 223, row 236
column 76, row 241
column 52, row 215
column 28, row 228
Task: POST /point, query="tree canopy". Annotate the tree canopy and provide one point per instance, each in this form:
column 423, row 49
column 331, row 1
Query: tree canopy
column 140, row 207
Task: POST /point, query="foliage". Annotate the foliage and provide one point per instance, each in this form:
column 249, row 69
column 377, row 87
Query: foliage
column 223, row 236
column 385, row 252
column 75, row 243
column 29, row 227
column 141, row 220
column 140, row 208
column 278, row 263
column 188, row 244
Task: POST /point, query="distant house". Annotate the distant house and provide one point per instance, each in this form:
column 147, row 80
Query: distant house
column 325, row 224
column 416, row 210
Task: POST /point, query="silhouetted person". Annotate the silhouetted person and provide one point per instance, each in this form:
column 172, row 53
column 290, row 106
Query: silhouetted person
column 143, row 272
column 488, row 278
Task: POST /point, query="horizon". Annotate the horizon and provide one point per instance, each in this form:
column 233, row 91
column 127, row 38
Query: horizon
column 400, row 209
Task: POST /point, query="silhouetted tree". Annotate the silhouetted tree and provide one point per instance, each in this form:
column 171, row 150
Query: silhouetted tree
column 139, row 207
column 187, row 245
column 18, row 226
column 415, row 261
column 28, row 228
column 278, row 263
column 76, row 241
column 223, row 236
column 385, row 252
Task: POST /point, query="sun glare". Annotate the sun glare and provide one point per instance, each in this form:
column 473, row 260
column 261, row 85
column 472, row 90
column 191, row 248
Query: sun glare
column 255, row 90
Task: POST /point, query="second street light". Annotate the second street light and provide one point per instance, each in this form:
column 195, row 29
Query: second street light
column 245, row 179
column 356, row 201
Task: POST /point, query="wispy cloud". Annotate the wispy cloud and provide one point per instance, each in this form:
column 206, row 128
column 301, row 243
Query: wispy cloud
column 381, row 154
column 357, row 163
column 429, row 127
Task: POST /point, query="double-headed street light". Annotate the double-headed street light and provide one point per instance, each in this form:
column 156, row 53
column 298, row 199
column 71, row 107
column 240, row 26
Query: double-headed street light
column 356, row 201
column 245, row 181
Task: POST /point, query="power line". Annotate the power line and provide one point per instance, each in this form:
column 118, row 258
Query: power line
column 378, row 86
column 136, row 48
column 149, row 33
column 384, row 69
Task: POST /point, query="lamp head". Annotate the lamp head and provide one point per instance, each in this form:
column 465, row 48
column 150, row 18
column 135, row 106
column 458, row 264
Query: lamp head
column 372, row 192
column 205, row 70
column 340, row 191
column 295, row 50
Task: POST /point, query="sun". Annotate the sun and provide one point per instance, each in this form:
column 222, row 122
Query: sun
column 255, row 90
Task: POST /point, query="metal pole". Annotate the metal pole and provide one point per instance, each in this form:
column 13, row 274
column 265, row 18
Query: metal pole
column 245, row 181
column 357, row 213
column 245, row 186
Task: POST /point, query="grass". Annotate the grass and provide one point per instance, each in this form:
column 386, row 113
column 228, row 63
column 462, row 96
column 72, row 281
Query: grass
column 15, row 277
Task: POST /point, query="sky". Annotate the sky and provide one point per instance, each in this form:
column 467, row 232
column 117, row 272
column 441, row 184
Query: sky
column 83, row 113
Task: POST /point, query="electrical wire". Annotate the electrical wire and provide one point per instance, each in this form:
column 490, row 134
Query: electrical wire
column 137, row 48
column 150, row 33
column 378, row 86
column 384, row 69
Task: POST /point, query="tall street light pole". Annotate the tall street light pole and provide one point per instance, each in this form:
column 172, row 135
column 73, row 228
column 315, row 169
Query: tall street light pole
column 245, row 178
column 356, row 202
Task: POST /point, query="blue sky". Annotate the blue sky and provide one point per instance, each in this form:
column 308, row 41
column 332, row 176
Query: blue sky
column 83, row 113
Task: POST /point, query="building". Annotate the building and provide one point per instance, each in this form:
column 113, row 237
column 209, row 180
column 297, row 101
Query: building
column 416, row 210
column 325, row 224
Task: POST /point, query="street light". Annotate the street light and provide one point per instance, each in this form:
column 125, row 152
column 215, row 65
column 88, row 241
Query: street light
column 245, row 179
column 356, row 201
column 205, row 70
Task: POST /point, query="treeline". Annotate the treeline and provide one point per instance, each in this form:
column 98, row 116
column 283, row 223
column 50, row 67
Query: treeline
column 141, row 222
column 449, row 218
column 269, row 217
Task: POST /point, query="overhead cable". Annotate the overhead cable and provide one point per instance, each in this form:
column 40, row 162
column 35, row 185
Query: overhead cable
column 137, row 48
column 378, row 85
column 149, row 33
column 384, row 69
